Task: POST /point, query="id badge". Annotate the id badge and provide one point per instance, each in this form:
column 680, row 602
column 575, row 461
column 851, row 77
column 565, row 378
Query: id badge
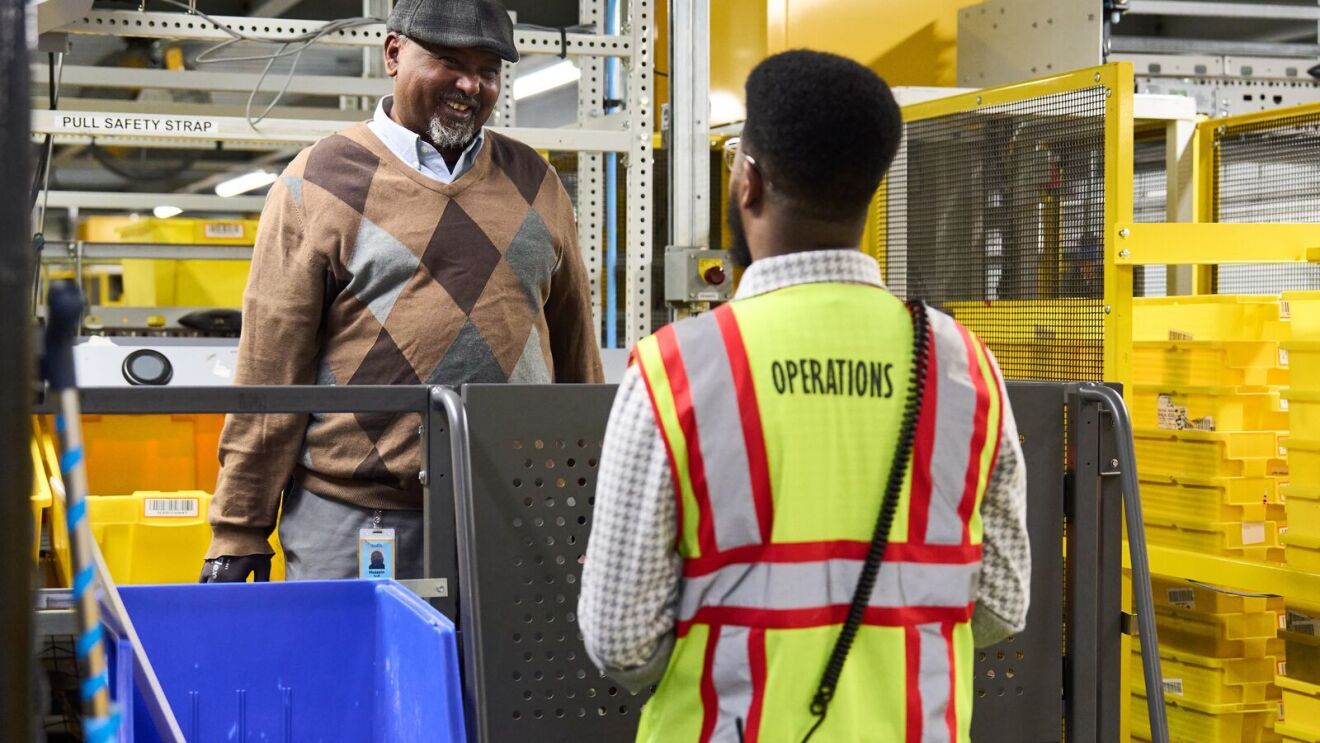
column 376, row 553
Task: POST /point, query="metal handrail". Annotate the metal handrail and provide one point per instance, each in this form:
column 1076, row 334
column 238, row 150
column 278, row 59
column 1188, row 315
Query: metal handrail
column 1127, row 458
column 465, row 534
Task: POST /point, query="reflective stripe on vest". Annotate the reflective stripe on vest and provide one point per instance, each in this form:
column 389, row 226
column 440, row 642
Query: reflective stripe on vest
column 742, row 584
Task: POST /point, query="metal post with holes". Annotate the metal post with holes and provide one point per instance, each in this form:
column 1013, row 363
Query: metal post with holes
column 640, row 95
column 590, row 184
column 506, row 108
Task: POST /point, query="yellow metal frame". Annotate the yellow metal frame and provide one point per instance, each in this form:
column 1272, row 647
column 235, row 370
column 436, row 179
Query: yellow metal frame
column 1298, row 587
column 1225, row 243
column 1117, row 80
column 1204, row 244
column 1209, row 243
column 1258, row 117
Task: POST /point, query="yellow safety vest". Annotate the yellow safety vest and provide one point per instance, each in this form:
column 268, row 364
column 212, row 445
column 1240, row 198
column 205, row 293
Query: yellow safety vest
column 781, row 415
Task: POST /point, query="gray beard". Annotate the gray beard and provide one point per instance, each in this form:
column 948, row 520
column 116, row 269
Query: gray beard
column 451, row 136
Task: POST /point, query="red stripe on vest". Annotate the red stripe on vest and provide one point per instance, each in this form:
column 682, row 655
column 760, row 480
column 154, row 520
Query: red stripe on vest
column 973, row 477
column 951, row 712
column 710, row 699
column 922, row 451
column 824, row 616
column 798, row 552
column 669, row 448
column 750, row 413
column 756, row 662
column 912, row 648
column 687, row 420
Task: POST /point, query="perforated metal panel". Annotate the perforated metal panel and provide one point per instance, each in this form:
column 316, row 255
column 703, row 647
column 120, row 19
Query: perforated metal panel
column 997, row 217
column 534, row 455
column 1019, row 682
column 1268, row 171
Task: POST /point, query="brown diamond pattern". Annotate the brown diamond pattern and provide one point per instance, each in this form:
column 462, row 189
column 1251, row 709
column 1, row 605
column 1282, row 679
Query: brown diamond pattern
column 527, row 173
column 460, row 257
column 344, row 168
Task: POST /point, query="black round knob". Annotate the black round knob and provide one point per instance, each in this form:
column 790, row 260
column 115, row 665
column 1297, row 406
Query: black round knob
column 147, row 367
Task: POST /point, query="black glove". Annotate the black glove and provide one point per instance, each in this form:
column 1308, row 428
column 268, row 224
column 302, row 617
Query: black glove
column 229, row 569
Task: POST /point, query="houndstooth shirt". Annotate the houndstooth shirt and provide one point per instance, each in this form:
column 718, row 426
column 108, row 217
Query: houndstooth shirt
column 630, row 582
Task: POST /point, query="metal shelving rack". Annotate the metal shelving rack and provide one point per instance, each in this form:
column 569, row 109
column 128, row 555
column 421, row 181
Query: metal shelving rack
column 627, row 132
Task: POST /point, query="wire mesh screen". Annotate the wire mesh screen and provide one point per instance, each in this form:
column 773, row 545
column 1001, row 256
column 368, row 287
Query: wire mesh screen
column 1149, row 199
column 996, row 216
column 1268, row 171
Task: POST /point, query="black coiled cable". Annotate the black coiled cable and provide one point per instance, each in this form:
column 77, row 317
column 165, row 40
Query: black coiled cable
column 829, row 682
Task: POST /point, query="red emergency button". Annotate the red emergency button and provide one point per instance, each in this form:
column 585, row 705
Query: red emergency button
column 714, row 275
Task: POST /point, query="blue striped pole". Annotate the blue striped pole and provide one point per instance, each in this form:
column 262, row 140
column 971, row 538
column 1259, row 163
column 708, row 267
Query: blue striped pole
column 100, row 720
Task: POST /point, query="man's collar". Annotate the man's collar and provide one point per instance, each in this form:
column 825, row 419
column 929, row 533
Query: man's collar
column 844, row 265
column 396, row 130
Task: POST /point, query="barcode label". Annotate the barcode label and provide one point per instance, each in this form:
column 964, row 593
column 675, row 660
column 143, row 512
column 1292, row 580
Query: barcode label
column 1173, row 686
column 1283, row 668
column 176, row 507
column 1285, row 311
column 1180, row 335
column 1283, row 357
column 1283, row 403
column 1183, row 598
column 1253, row 532
column 223, row 230
column 1280, row 719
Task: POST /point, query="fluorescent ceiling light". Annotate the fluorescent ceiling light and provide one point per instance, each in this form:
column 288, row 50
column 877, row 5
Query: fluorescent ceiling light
column 546, row 79
column 244, row 183
column 165, row 212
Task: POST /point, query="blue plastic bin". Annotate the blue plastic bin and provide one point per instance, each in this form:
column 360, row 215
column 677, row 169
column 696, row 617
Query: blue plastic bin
column 305, row 661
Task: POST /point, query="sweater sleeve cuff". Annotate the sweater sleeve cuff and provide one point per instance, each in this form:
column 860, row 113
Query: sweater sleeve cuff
column 638, row 678
column 988, row 628
column 236, row 541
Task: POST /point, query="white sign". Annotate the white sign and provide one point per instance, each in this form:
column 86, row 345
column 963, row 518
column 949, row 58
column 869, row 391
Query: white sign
column 127, row 124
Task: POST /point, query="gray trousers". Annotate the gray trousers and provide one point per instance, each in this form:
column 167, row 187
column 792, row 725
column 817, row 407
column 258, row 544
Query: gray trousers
column 320, row 537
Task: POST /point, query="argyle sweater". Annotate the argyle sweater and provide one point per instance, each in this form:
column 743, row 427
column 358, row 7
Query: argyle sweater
column 368, row 272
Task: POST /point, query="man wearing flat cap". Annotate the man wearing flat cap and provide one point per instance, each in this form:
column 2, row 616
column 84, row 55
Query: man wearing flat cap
column 416, row 248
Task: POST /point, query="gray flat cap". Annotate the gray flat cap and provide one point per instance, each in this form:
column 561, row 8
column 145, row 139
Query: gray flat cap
column 461, row 24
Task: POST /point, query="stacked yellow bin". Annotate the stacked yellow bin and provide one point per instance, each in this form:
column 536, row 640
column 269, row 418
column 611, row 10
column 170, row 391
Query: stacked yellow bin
column 146, row 537
column 1303, row 491
column 1300, row 712
column 1211, row 422
column 1299, row 718
column 1219, row 653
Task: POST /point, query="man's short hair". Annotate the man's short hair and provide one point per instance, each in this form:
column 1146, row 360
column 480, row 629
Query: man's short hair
column 823, row 129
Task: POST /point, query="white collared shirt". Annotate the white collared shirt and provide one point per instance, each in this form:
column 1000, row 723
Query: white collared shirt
column 419, row 154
